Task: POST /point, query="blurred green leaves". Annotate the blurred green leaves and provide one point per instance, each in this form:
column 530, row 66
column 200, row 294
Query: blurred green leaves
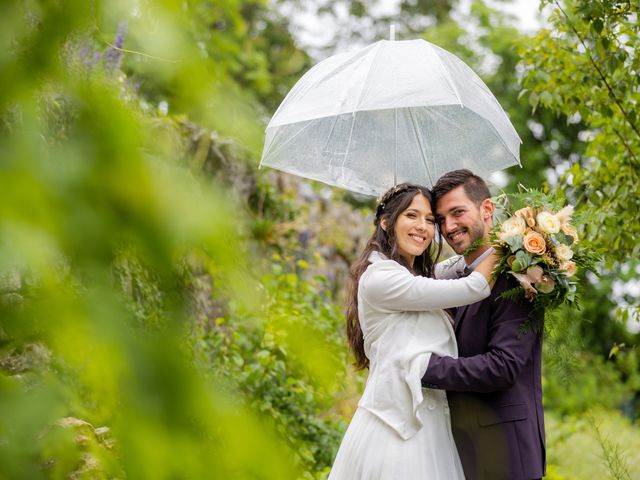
column 110, row 241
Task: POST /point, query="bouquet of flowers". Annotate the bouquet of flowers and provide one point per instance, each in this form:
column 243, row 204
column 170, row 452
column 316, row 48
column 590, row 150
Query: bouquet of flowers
column 540, row 247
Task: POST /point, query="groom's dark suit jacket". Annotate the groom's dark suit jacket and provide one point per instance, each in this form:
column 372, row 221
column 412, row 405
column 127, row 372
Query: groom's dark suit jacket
column 494, row 389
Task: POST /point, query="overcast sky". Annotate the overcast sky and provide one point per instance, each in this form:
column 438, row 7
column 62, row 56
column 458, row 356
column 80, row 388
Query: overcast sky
column 313, row 31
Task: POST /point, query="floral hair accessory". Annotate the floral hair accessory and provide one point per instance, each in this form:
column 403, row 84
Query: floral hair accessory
column 540, row 247
column 388, row 195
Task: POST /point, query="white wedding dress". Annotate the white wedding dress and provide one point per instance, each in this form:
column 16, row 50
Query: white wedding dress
column 401, row 431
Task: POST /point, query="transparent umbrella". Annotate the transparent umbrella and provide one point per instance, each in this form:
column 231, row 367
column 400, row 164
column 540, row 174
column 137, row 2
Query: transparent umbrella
column 392, row 112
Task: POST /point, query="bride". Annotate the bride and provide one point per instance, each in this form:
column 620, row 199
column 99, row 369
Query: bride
column 395, row 321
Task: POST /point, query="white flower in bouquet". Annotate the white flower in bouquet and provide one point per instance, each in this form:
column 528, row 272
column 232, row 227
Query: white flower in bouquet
column 548, row 222
column 564, row 253
column 512, row 227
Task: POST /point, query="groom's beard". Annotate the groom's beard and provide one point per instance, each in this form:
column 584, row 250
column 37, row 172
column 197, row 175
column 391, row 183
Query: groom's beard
column 463, row 237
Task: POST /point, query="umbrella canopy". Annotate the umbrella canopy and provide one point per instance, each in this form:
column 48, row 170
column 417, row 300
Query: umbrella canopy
column 395, row 111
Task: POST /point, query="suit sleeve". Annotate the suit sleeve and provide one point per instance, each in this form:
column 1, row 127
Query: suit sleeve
column 508, row 350
column 388, row 285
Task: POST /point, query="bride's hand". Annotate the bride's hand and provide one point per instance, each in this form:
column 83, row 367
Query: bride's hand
column 485, row 267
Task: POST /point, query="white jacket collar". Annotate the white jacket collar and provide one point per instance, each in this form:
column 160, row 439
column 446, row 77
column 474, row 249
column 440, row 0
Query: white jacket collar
column 377, row 256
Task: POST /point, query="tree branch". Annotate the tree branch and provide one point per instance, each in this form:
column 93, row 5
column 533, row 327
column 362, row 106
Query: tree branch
column 604, row 79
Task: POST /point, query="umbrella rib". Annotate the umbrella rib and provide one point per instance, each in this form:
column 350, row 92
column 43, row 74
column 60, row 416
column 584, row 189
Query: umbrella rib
column 496, row 134
column 324, row 148
column 422, row 152
column 373, row 60
column 346, row 153
column 500, row 137
column 395, row 150
column 447, row 76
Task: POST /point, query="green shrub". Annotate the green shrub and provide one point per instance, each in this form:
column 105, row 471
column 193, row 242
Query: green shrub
column 584, row 387
column 286, row 360
column 600, row 444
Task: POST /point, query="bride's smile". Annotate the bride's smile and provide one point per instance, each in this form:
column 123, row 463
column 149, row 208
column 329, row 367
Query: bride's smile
column 414, row 229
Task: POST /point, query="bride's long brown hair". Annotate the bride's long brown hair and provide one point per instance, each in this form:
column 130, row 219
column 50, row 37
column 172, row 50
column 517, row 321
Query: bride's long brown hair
column 392, row 204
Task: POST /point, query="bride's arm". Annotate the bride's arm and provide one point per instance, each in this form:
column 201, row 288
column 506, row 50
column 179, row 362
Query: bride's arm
column 390, row 286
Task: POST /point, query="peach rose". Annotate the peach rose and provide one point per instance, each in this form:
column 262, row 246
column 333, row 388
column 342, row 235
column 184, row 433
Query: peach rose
column 569, row 268
column 569, row 230
column 535, row 243
column 548, row 222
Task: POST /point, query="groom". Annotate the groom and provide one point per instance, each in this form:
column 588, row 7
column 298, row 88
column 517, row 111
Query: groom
column 494, row 387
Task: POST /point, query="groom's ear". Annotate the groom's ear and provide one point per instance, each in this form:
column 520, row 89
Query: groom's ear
column 487, row 208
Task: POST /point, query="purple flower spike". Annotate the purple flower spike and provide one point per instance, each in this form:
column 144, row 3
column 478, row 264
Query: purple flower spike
column 113, row 55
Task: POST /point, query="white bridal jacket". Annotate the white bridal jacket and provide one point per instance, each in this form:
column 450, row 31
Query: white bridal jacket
column 403, row 323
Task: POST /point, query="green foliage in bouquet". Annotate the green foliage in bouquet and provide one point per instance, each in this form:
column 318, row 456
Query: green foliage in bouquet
column 539, row 245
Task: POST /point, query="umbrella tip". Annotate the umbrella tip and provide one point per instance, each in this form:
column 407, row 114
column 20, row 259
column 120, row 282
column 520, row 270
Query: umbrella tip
column 392, row 32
